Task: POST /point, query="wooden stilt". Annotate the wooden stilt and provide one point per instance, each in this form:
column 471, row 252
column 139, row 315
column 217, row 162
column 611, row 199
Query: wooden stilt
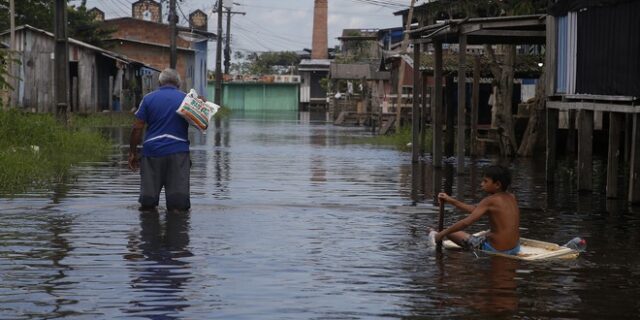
column 449, row 133
column 634, row 169
column 571, row 133
column 436, row 109
column 616, row 121
column 552, row 127
column 475, row 103
column 425, row 112
column 585, row 150
column 415, row 109
column 462, row 99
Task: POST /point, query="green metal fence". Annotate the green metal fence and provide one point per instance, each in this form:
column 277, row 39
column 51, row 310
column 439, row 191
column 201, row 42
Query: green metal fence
column 243, row 96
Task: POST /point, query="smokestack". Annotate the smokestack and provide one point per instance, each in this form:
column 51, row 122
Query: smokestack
column 319, row 42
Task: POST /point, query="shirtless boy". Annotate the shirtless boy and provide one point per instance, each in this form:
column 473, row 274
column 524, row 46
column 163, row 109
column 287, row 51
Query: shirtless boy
column 500, row 206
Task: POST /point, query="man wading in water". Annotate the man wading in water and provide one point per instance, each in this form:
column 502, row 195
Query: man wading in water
column 165, row 152
column 502, row 209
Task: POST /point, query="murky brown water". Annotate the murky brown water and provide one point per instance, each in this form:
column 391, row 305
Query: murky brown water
column 291, row 220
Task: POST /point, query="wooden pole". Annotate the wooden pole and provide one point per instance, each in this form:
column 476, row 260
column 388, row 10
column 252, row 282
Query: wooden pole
column 12, row 79
column 403, row 50
column 217, row 98
column 415, row 109
column 173, row 54
column 462, row 99
column 475, row 105
column 634, row 168
column 552, row 128
column 423, row 113
column 440, row 223
column 61, row 66
column 585, row 150
column 616, row 120
column 449, row 134
column 571, row 133
column 110, row 108
column 436, row 109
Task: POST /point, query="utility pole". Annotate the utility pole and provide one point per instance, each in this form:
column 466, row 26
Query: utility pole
column 12, row 23
column 403, row 50
column 173, row 58
column 12, row 48
column 218, row 94
column 61, row 68
column 227, row 47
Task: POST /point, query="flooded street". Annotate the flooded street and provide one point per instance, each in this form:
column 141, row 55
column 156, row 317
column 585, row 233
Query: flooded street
column 293, row 218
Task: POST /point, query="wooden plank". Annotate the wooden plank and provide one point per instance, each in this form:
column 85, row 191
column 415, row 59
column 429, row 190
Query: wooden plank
column 462, row 76
column 110, row 107
column 436, row 109
column 594, row 106
column 552, row 128
column 634, row 169
column 616, row 120
column 508, row 33
column 585, row 150
column 600, row 97
column 550, row 55
column 74, row 95
column 415, row 110
column 475, row 105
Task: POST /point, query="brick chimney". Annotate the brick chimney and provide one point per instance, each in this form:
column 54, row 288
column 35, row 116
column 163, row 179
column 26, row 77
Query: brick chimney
column 319, row 45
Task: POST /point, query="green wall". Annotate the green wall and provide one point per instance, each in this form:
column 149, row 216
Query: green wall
column 259, row 96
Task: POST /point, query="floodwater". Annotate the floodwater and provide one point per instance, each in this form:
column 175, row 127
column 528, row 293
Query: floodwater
column 294, row 218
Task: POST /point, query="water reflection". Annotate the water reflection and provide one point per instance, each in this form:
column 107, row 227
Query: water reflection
column 159, row 271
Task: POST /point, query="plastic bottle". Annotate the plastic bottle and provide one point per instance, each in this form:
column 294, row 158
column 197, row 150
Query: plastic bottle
column 577, row 244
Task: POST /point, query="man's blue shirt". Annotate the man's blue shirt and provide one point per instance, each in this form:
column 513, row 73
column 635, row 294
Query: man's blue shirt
column 167, row 132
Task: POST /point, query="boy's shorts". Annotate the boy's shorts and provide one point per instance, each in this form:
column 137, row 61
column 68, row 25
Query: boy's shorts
column 481, row 243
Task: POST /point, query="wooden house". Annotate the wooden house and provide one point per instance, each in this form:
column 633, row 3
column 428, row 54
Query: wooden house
column 312, row 93
column 95, row 74
column 594, row 73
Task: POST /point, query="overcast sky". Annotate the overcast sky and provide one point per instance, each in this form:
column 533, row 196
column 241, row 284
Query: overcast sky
column 277, row 25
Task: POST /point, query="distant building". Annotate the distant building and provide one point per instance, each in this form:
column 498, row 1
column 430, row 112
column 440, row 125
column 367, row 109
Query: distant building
column 312, row 71
column 143, row 37
column 98, row 15
column 147, row 10
column 360, row 44
column 97, row 76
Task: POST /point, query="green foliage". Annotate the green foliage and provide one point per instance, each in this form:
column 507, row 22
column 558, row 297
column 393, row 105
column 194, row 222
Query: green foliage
column 97, row 120
column 36, row 151
column 400, row 140
column 223, row 112
column 264, row 63
column 40, row 14
column 83, row 27
column 37, row 13
column 6, row 77
column 357, row 50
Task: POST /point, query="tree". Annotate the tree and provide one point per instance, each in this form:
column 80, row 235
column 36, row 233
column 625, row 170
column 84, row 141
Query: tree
column 39, row 14
column 84, row 27
column 264, row 63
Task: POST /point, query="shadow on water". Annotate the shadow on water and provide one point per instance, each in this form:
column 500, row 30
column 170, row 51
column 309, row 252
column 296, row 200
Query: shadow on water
column 291, row 219
column 158, row 268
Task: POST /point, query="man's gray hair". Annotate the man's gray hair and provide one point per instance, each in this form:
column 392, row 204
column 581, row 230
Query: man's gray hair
column 169, row 76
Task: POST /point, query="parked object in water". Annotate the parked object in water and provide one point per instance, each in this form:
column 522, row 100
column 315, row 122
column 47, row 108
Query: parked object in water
column 532, row 250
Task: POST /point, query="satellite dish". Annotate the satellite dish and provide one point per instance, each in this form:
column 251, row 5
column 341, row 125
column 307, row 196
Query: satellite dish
column 191, row 36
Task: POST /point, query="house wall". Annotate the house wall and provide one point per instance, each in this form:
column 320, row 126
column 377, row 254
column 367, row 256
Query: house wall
column 35, row 89
column 158, row 57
